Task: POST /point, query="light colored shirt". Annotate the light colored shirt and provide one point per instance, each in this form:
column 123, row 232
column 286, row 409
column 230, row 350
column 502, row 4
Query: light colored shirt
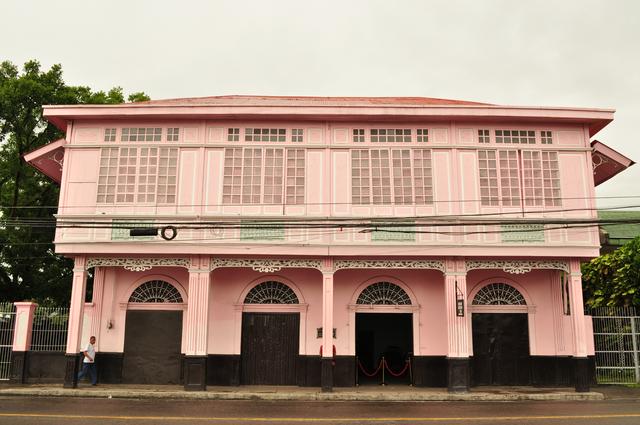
column 91, row 352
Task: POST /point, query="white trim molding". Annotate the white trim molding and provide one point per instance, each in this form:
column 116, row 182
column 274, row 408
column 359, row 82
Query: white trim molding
column 137, row 264
column 389, row 264
column 517, row 266
column 265, row 265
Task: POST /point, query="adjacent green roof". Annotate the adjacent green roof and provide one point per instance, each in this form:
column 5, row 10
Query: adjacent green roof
column 619, row 234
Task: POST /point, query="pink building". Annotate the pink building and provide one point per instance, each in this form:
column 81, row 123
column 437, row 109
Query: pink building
column 437, row 238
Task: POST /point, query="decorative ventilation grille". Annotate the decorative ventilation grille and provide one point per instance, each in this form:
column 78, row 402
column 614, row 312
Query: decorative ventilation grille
column 271, row 293
column 384, row 293
column 156, row 291
column 499, row 294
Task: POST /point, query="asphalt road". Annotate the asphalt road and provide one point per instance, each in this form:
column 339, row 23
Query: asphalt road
column 70, row 411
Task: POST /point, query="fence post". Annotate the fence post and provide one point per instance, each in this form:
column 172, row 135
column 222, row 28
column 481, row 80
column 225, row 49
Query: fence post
column 634, row 335
column 21, row 340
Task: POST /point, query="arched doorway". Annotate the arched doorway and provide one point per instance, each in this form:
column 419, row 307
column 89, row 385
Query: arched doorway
column 270, row 336
column 384, row 330
column 500, row 336
column 153, row 334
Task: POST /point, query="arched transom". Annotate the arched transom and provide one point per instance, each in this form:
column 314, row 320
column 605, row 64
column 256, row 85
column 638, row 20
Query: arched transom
column 271, row 292
column 499, row 294
column 156, row 291
column 383, row 293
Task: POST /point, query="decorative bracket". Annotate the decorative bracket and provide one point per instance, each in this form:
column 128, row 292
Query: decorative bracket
column 518, row 266
column 137, row 264
column 265, row 265
column 389, row 264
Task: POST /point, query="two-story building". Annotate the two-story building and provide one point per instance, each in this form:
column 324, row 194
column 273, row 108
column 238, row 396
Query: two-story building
column 323, row 241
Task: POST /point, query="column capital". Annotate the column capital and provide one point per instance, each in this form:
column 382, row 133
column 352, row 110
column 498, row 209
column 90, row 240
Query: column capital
column 200, row 264
column 79, row 264
column 327, row 266
column 455, row 267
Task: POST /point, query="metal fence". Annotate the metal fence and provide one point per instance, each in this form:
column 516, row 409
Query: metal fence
column 49, row 332
column 7, row 323
column 616, row 331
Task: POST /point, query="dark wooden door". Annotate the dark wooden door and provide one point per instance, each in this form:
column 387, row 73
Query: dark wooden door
column 501, row 349
column 269, row 348
column 152, row 343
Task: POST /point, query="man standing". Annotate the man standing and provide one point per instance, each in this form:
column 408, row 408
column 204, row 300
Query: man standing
column 88, row 362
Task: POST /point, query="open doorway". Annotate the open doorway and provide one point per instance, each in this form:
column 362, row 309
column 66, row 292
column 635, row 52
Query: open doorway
column 388, row 335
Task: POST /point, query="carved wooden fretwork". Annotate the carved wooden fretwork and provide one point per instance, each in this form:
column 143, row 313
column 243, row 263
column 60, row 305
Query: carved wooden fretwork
column 390, row 264
column 598, row 160
column 517, row 267
column 137, row 264
column 265, row 265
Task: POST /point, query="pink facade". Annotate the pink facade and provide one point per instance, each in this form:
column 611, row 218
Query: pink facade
column 329, row 196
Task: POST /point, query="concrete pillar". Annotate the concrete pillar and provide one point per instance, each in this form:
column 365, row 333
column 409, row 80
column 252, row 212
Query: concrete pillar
column 197, row 325
column 23, row 326
column 458, row 326
column 583, row 374
column 327, row 361
column 76, row 313
column 97, row 300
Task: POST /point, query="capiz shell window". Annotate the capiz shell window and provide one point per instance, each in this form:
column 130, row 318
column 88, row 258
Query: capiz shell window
column 141, row 134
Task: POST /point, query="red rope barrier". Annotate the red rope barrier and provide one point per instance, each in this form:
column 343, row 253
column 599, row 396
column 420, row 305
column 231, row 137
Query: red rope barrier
column 370, row 375
column 406, row 366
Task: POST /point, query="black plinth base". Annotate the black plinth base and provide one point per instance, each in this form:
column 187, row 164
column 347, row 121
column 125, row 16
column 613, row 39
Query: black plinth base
column 326, row 376
column 195, row 373
column 583, row 374
column 458, row 377
column 18, row 367
column 71, row 371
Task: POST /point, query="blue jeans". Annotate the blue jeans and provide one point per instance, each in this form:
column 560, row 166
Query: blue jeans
column 89, row 368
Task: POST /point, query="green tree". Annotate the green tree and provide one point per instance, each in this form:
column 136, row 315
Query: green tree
column 29, row 268
column 614, row 279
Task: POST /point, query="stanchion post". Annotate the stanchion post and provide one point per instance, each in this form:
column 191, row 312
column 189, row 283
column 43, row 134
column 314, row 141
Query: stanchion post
column 357, row 373
column 383, row 366
column 410, row 372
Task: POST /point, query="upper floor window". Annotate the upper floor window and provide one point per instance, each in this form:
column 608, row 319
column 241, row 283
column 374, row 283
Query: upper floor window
column 233, row 134
column 546, row 137
column 109, row 134
column 383, row 135
column 297, row 135
column 541, row 178
column 483, row 136
column 522, row 137
column 265, row 135
column 141, row 135
column 423, row 135
column 173, row 134
column 383, row 176
column 358, row 135
column 261, row 175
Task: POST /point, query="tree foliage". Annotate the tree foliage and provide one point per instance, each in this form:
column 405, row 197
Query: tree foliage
column 29, row 268
column 614, row 279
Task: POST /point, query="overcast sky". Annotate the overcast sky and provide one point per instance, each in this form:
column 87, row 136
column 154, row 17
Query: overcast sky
column 580, row 53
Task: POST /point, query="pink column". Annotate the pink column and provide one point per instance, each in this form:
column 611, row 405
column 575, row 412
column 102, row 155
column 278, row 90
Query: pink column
column 327, row 325
column 97, row 300
column 21, row 340
column 458, row 327
column 197, row 324
column 583, row 371
column 76, row 312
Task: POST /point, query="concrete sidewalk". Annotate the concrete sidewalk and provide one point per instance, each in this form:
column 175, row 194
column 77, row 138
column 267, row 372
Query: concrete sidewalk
column 364, row 393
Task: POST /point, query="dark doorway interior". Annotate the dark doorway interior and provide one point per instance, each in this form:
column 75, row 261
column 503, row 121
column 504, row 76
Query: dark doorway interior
column 500, row 349
column 152, row 342
column 383, row 334
column 269, row 348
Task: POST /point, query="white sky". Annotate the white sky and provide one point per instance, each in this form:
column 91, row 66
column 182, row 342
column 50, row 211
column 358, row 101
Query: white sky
column 582, row 53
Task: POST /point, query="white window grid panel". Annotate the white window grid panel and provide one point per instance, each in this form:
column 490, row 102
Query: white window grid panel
column 167, row 175
column 297, row 135
column 385, row 135
column 147, row 175
column 273, row 175
column 380, row 177
column 110, row 134
column 551, row 179
column 360, row 177
column 546, row 137
column 295, row 176
column 232, row 176
column 265, row 134
column 402, row 178
column 422, row 135
column 488, row 170
column 173, row 134
column 484, row 136
column 233, row 135
column 422, row 177
column 141, row 134
column 108, row 175
column 251, row 175
column 358, row 135
column 127, row 170
column 532, row 178
column 522, row 137
column 509, row 178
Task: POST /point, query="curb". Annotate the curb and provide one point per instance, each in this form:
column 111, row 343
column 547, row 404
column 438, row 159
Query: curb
column 304, row 396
